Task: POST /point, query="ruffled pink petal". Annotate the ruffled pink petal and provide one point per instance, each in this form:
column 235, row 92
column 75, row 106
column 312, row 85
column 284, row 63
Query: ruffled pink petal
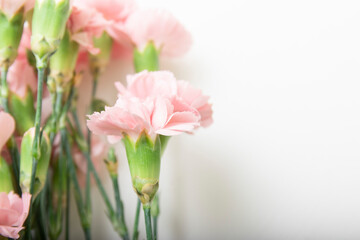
column 194, row 98
column 13, row 213
column 160, row 27
column 7, row 124
column 152, row 84
column 180, row 122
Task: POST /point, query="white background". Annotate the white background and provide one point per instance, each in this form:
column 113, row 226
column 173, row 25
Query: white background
column 282, row 159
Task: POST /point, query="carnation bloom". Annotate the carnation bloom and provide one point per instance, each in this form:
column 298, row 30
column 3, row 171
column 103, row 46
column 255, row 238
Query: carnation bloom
column 150, row 103
column 13, row 213
column 109, row 15
column 161, row 28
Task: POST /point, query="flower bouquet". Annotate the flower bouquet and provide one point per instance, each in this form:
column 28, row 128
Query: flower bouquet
column 47, row 156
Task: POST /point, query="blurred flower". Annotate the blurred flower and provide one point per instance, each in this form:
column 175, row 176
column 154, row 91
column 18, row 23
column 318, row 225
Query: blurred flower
column 7, row 124
column 13, row 213
column 149, row 103
column 160, row 27
column 11, row 7
column 109, row 16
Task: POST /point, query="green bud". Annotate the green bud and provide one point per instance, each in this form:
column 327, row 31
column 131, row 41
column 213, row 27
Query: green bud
column 99, row 61
column 48, row 26
column 23, row 111
column 63, row 62
column 148, row 59
column 155, row 209
column 26, row 161
column 144, row 162
column 112, row 163
column 6, row 183
column 98, row 105
column 10, row 31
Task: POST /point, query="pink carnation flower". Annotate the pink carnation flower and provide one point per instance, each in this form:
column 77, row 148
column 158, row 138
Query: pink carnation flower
column 160, row 27
column 83, row 27
column 11, row 7
column 13, row 213
column 110, row 15
column 150, row 103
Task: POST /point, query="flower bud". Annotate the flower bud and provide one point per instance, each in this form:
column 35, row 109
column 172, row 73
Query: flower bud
column 11, row 29
column 48, row 25
column 155, row 209
column 26, row 162
column 144, row 162
column 148, row 59
column 63, row 62
column 112, row 163
column 6, row 184
column 99, row 61
column 23, row 111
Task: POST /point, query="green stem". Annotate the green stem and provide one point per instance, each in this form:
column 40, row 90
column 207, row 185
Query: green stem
column 71, row 170
column 67, row 216
column 147, row 214
column 56, row 113
column 36, row 145
column 93, row 93
column 155, row 220
column 136, row 223
column 119, row 208
column 96, row 176
column 99, row 184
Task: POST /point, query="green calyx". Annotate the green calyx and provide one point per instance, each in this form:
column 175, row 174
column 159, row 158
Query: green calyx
column 26, row 161
column 48, row 26
column 148, row 59
column 23, row 111
column 99, row 61
column 98, row 105
column 6, row 179
column 63, row 62
column 10, row 32
column 144, row 161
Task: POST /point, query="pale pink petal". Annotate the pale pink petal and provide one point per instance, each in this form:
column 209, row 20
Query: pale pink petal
column 7, row 124
column 21, row 77
column 180, row 122
column 160, row 27
column 10, row 232
column 194, row 98
column 26, row 201
column 11, row 7
column 13, row 213
column 152, row 84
